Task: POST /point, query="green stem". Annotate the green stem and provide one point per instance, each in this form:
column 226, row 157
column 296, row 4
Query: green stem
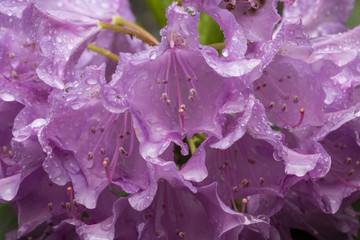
column 122, row 22
column 103, row 52
column 124, row 30
column 192, row 145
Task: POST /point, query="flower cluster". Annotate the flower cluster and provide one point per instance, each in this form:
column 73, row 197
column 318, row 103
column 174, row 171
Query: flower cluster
column 108, row 134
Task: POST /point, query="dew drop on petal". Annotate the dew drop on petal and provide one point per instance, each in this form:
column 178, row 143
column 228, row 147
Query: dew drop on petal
column 7, row 97
column 91, row 81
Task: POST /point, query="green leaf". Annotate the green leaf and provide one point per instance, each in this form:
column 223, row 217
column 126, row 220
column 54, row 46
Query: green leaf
column 209, row 30
column 120, row 194
column 8, row 220
column 158, row 8
column 354, row 19
column 84, row 215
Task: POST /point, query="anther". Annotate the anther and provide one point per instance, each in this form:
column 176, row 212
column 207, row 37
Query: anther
column 235, row 189
column 11, row 125
column 348, row 160
column 264, row 85
column 10, row 55
column 4, row 149
column 245, row 183
column 286, row 97
column 122, row 150
column 261, row 180
column 351, row 172
column 283, row 107
column 357, row 163
column 230, row 7
column 67, row 206
column 50, row 206
column 164, row 97
column 181, row 234
column 251, row 161
column 101, row 129
column 75, row 203
column 25, row 60
column 10, row 153
column 93, row 130
column 90, row 155
column 296, row 99
column 14, row 74
column 271, row 104
column 102, row 151
column 181, row 214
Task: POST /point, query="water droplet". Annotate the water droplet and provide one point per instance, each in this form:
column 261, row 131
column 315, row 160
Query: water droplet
column 77, row 105
column 7, row 97
column 152, row 54
column 225, row 52
column 91, row 81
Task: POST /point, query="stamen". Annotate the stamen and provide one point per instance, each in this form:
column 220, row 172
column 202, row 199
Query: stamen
column 122, row 150
column 271, row 104
column 245, row 183
column 102, row 150
column 181, row 234
column 345, row 181
column 302, row 113
column 261, row 180
column 296, row 99
column 348, row 160
column 14, row 74
column 182, row 120
column 244, row 201
column 50, row 206
column 4, row 149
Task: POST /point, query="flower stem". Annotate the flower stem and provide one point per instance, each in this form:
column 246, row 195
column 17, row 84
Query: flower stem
column 124, row 30
column 103, row 52
column 122, row 22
